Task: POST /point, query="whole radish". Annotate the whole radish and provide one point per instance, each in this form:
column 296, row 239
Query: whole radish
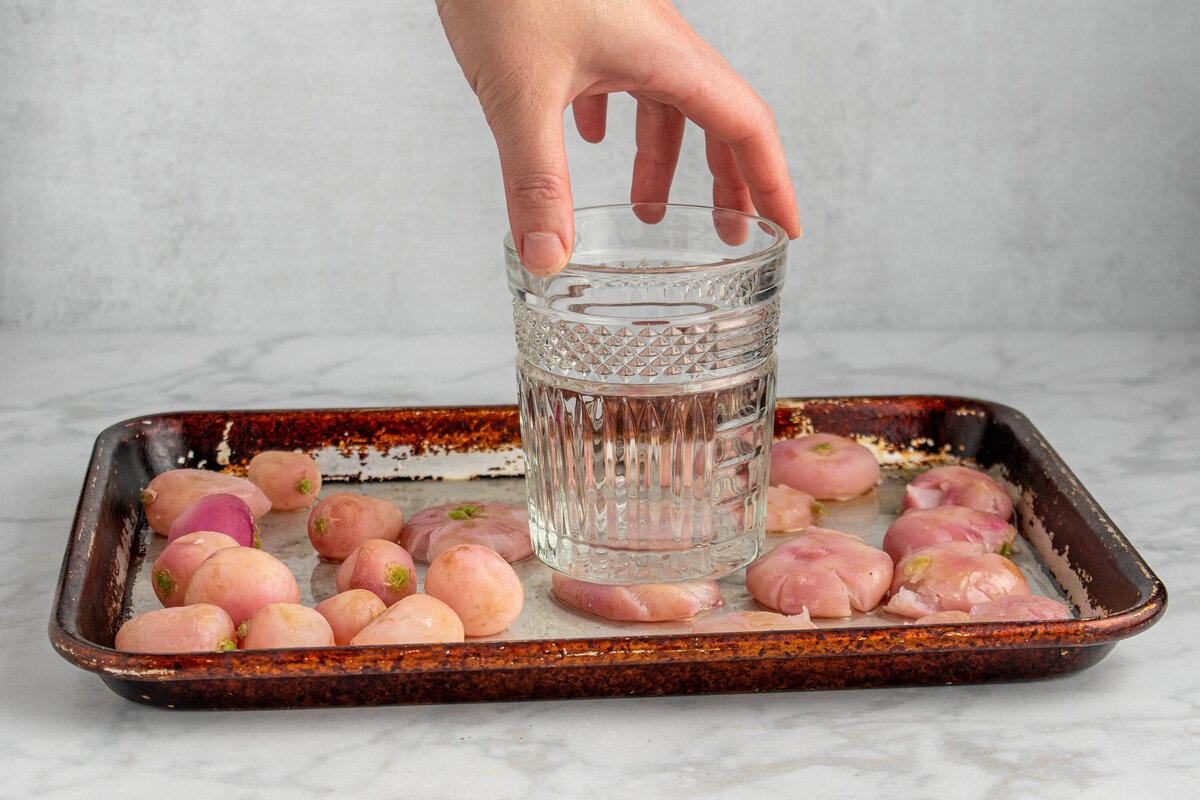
column 417, row 619
column 342, row 521
column 290, row 480
column 285, row 625
column 185, row 629
column 481, row 587
column 223, row 513
column 381, row 567
column 349, row 612
column 170, row 493
column 242, row 580
column 174, row 567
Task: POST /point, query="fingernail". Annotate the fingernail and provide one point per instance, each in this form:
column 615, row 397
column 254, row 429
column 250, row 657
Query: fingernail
column 543, row 253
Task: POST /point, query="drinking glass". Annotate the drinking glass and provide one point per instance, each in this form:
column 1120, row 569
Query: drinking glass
column 646, row 380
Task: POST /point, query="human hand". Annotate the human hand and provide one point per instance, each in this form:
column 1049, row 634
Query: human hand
column 527, row 60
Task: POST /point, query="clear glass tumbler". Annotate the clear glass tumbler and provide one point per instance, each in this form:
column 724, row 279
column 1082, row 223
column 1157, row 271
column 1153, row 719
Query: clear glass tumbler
column 646, row 379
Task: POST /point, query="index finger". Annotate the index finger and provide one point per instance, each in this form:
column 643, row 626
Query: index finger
column 717, row 99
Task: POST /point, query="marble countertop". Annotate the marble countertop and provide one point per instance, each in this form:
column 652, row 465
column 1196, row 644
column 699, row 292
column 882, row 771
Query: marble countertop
column 1122, row 409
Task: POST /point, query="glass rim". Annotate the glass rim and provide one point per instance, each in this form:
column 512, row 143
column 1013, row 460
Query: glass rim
column 777, row 246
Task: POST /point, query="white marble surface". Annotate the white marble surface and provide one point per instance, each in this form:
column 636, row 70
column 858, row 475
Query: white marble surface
column 1123, row 409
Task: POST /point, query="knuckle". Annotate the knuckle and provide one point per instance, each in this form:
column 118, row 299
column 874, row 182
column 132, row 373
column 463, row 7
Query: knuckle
column 652, row 163
column 538, row 189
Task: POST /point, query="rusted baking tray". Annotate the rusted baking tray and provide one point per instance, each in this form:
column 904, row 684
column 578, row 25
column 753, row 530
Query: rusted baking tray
column 422, row 456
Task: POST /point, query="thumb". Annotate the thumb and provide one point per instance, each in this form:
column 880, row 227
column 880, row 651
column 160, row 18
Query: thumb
column 537, row 188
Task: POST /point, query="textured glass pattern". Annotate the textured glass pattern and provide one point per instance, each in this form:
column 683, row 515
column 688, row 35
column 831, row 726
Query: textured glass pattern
column 649, row 352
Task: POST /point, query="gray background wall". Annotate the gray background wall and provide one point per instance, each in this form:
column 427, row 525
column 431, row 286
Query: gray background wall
column 322, row 166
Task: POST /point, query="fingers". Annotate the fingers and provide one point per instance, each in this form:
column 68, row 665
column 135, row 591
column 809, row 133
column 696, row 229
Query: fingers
column 729, row 191
column 519, row 60
column 659, row 136
column 537, row 187
column 749, row 169
column 591, row 116
column 762, row 166
column 708, row 92
column 528, row 59
column 729, row 188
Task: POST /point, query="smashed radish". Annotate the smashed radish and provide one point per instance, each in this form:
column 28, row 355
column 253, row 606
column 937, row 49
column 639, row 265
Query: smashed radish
column 919, row 527
column 285, row 625
column 1020, row 607
column 790, row 509
column 186, row 629
column 242, row 580
column 642, row 602
column 381, row 567
column 503, row 528
column 958, row 486
column 479, row 585
column 170, row 493
column 827, row 572
column 342, row 521
column 290, row 480
column 827, row 466
column 417, row 619
column 951, row 576
column 173, row 568
column 1010, row 607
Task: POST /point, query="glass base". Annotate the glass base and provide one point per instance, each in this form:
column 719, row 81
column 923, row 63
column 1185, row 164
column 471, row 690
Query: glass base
column 607, row 565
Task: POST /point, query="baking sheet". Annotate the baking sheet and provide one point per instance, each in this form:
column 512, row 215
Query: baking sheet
column 423, row 457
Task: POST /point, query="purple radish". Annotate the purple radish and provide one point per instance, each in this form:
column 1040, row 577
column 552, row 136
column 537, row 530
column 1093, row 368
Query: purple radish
column 223, row 513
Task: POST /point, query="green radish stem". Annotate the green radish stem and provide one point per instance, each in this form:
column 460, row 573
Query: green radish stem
column 397, row 577
column 464, row 512
column 164, row 582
